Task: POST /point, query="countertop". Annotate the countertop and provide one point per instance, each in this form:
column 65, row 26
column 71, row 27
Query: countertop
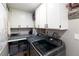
column 18, row 37
column 33, row 38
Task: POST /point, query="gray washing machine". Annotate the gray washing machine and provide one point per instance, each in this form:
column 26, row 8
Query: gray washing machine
column 47, row 47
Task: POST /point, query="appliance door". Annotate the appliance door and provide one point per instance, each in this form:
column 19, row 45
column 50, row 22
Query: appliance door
column 33, row 52
column 60, row 51
column 43, row 46
column 46, row 48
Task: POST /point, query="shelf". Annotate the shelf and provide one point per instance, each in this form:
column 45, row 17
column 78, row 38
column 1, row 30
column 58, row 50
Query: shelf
column 17, row 39
column 22, row 28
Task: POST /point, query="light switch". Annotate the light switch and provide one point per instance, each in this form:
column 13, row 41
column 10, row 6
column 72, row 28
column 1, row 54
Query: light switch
column 76, row 36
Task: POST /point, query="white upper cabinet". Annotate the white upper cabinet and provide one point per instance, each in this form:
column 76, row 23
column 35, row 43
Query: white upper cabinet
column 40, row 16
column 37, row 17
column 63, row 16
column 52, row 16
column 20, row 19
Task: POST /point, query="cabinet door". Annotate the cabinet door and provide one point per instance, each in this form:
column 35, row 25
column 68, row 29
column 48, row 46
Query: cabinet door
column 53, row 16
column 57, row 16
column 41, row 16
column 63, row 16
column 13, row 19
column 37, row 17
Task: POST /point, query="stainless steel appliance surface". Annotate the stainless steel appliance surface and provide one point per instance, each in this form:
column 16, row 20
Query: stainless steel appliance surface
column 45, row 47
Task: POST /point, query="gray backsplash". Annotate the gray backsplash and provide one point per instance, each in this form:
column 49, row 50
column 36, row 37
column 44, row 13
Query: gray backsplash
column 20, row 31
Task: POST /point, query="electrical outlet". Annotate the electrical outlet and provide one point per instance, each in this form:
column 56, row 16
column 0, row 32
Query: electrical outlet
column 76, row 36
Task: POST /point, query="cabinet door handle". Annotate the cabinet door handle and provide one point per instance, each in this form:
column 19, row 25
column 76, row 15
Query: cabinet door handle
column 47, row 25
column 59, row 26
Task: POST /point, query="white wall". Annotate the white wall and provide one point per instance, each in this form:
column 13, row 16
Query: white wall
column 22, row 31
column 68, row 37
column 72, row 44
column 3, row 27
column 3, row 24
column 19, row 17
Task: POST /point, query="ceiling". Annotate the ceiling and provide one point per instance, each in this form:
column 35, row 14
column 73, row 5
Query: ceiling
column 29, row 7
